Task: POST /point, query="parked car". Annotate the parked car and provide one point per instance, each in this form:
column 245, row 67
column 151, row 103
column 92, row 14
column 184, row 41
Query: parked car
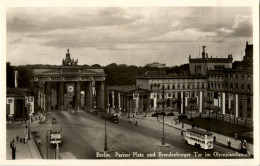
column 95, row 112
column 170, row 114
column 53, row 121
column 183, row 116
column 158, row 113
column 73, row 112
column 113, row 118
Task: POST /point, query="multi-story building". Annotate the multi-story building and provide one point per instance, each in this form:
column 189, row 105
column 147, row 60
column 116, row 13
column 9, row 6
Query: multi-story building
column 224, row 90
column 203, row 65
column 177, row 89
column 233, row 89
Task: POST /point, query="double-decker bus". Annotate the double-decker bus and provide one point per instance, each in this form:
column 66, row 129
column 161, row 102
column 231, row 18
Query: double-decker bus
column 198, row 138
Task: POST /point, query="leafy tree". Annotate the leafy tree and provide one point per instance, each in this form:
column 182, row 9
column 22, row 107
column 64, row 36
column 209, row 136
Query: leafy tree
column 9, row 75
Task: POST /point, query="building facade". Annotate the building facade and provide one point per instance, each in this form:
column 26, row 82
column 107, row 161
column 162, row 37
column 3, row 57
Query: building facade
column 179, row 90
column 68, row 81
column 225, row 92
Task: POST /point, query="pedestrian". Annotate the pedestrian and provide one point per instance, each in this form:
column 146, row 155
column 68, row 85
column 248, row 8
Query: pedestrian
column 229, row 143
column 209, row 129
column 197, row 126
column 245, row 144
column 181, row 132
column 11, row 144
column 17, row 138
column 23, row 140
column 13, row 152
column 214, row 138
column 136, row 123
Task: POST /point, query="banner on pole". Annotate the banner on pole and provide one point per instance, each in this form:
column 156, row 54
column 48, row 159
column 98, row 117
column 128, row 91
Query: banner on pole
column 169, row 95
column 236, row 105
column 223, row 103
column 70, row 89
column 135, row 95
column 200, row 103
column 152, row 96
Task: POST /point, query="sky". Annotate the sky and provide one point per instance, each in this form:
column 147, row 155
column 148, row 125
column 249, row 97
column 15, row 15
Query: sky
column 125, row 35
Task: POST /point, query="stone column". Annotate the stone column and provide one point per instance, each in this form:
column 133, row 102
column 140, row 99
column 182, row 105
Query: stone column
column 119, row 100
column 60, row 95
column 147, row 100
column 88, row 96
column 48, row 96
column 35, row 94
column 113, row 99
column 78, row 100
column 100, row 94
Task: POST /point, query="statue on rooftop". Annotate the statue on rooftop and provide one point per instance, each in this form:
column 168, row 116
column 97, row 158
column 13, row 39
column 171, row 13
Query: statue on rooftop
column 68, row 61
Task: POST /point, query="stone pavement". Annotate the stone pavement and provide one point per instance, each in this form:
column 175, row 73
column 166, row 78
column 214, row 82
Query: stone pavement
column 23, row 151
column 220, row 139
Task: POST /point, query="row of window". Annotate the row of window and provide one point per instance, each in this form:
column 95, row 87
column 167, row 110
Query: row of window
column 235, row 76
column 232, row 87
column 197, row 140
column 168, row 87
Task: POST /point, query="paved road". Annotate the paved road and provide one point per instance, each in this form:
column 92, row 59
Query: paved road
column 83, row 136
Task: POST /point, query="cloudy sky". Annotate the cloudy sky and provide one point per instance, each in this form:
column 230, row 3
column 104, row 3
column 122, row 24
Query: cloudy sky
column 133, row 36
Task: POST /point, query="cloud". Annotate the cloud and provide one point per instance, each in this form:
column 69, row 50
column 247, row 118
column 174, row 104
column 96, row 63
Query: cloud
column 126, row 32
column 225, row 22
column 23, row 21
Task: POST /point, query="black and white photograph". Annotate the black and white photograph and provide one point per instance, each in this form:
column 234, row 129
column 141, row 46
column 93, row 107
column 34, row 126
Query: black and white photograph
column 130, row 83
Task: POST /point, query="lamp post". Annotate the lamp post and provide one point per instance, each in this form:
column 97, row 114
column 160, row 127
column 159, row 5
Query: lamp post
column 163, row 137
column 29, row 127
column 105, row 143
column 190, row 103
column 244, row 101
column 47, row 142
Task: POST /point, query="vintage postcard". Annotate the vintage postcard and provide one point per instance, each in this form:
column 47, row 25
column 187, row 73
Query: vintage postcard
column 130, row 83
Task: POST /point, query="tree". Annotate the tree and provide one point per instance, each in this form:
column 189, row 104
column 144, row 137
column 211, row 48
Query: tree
column 9, row 75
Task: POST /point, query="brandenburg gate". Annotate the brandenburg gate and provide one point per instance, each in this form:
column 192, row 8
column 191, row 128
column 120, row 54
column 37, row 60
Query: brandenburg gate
column 71, row 83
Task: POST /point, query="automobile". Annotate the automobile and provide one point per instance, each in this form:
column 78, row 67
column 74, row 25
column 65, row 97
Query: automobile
column 73, row 112
column 113, row 118
column 54, row 121
column 158, row 113
column 183, row 116
column 170, row 114
column 94, row 112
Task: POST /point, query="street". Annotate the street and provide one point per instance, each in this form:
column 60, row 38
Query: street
column 83, row 136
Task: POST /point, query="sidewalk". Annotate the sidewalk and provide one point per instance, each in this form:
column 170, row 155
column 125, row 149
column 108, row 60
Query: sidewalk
column 23, row 151
column 220, row 139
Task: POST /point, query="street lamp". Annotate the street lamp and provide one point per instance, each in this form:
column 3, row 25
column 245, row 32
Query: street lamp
column 47, row 142
column 190, row 103
column 105, row 144
column 163, row 137
column 243, row 105
column 29, row 126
